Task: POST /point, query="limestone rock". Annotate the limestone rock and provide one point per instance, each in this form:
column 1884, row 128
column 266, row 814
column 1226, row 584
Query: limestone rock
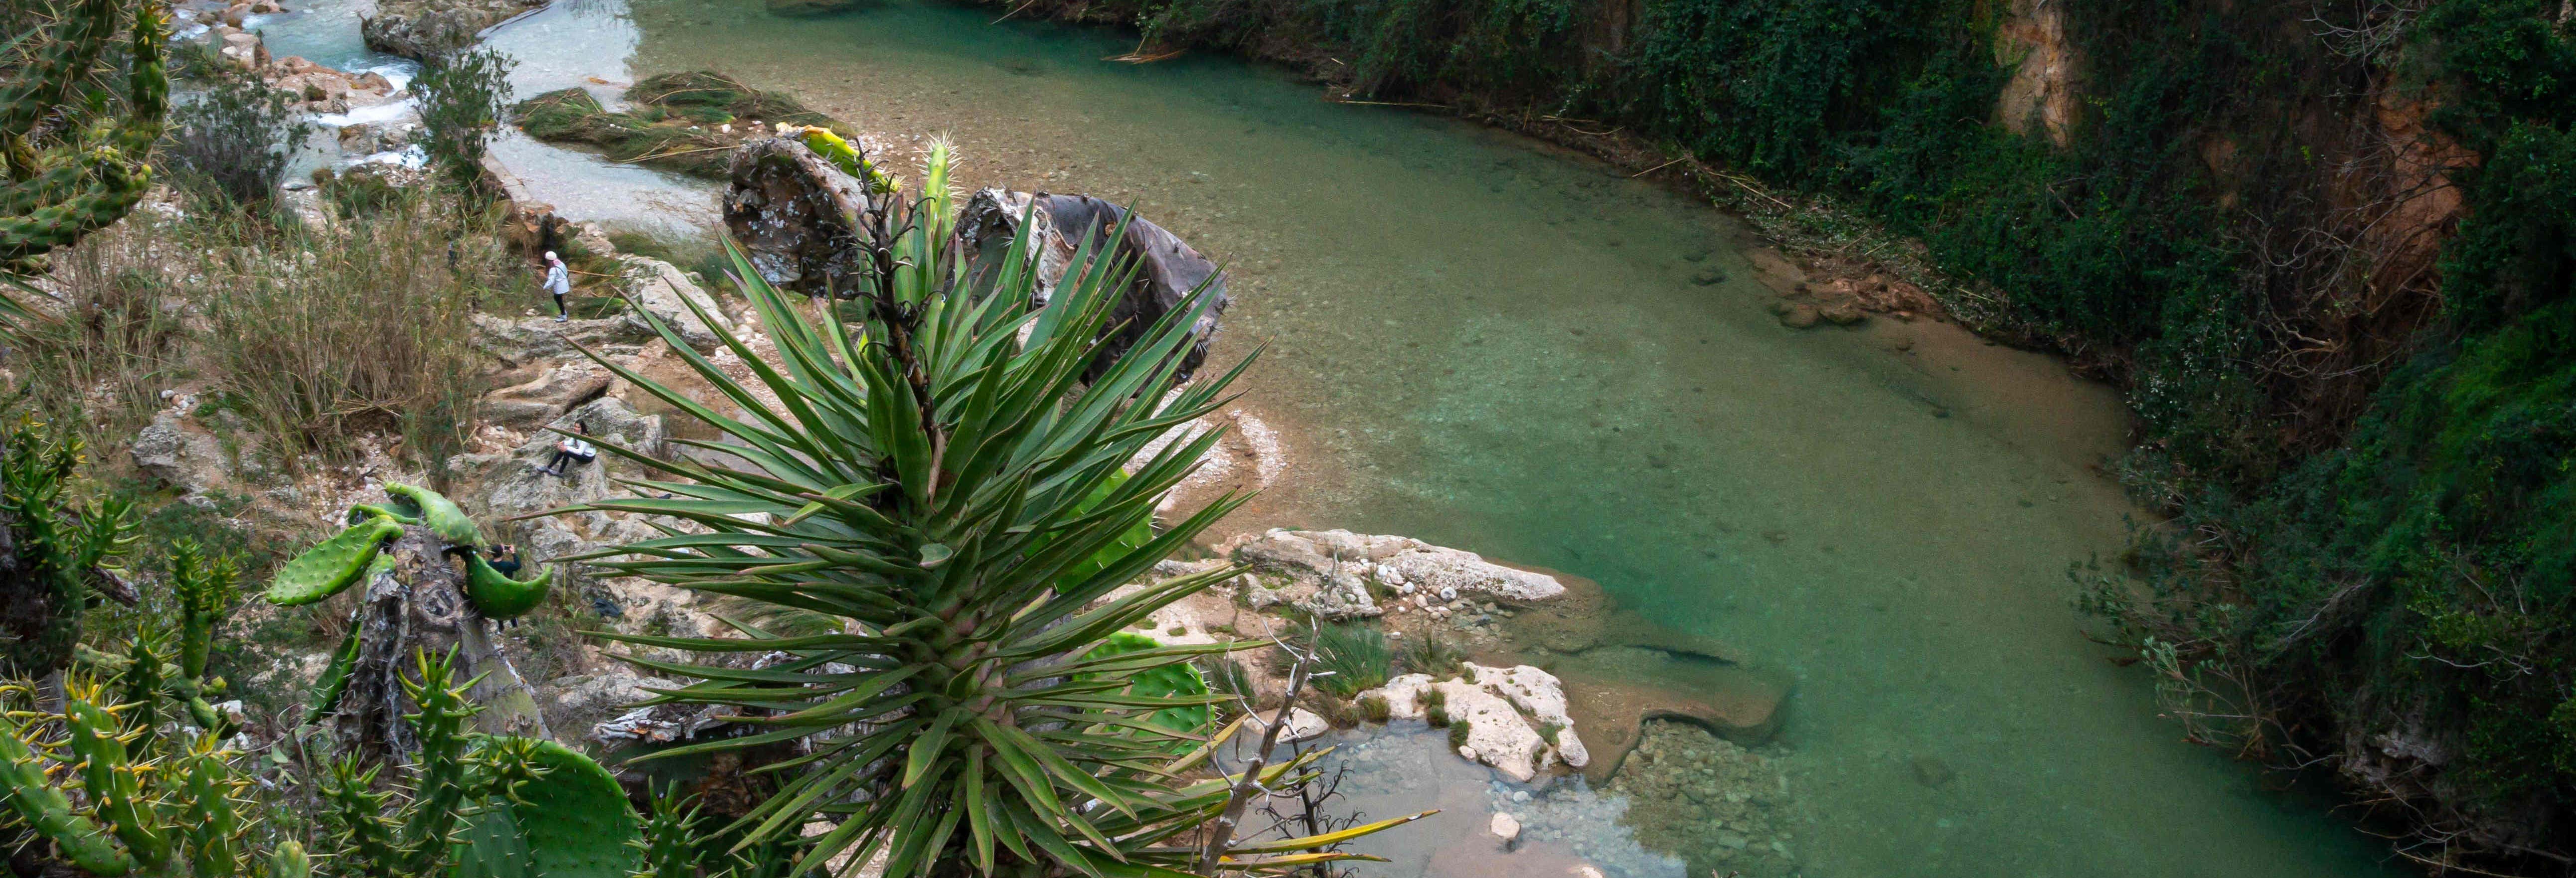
column 1541, row 697
column 1505, row 827
column 584, row 701
column 1327, row 572
column 1496, row 734
column 789, row 208
column 661, row 289
column 547, row 396
column 522, row 340
column 419, row 29
column 1303, row 725
column 174, row 451
column 1799, row 316
column 1168, row 270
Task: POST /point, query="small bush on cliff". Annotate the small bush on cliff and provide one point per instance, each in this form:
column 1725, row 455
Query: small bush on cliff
column 235, row 138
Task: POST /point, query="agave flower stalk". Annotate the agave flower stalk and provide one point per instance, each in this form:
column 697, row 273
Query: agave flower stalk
column 937, row 481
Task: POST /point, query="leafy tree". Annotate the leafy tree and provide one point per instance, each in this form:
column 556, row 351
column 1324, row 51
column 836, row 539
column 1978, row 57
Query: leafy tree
column 956, row 499
column 461, row 95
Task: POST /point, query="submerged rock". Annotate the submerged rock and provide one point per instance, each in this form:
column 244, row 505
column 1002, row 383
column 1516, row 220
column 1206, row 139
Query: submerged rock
column 1718, row 806
column 812, row 8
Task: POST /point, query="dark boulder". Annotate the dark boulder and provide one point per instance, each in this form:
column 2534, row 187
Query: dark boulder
column 1166, row 269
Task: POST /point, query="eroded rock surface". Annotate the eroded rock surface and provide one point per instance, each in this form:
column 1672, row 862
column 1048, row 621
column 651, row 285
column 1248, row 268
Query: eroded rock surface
column 1330, row 573
column 425, row 28
column 1490, row 704
column 1061, row 227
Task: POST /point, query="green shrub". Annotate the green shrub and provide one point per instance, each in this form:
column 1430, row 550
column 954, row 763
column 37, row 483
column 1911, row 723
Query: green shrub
column 1434, row 654
column 1435, row 705
column 1457, row 735
column 234, row 139
column 1356, row 655
column 461, row 98
column 1375, row 709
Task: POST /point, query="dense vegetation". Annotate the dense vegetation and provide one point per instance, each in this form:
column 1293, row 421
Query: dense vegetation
column 2358, row 403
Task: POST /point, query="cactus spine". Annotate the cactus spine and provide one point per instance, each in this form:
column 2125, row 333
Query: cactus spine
column 171, row 817
column 55, row 197
column 55, row 551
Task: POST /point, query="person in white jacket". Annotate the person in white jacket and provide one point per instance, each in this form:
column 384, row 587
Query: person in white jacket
column 575, row 449
column 558, row 282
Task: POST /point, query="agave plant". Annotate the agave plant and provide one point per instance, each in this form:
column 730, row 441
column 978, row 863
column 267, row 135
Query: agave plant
column 935, row 477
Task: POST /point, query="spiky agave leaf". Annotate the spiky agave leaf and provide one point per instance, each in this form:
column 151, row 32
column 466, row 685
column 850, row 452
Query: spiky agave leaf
column 940, row 480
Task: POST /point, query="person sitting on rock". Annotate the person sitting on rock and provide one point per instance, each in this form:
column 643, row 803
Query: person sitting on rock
column 573, row 449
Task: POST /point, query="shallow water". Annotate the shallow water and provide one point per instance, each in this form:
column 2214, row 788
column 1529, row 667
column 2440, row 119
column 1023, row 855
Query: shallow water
column 1472, row 340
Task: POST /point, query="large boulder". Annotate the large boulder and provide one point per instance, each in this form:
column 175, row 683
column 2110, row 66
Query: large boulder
column 1060, row 227
column 174, row 450
column 664, row 292
column 792, row 212
column 1540, row 697
column 421, row 29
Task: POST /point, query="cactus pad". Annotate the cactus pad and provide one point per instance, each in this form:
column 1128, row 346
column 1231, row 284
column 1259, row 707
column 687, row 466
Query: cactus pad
column 499, row 596
column 325, row 569
column 335, row 679
column 442, row 515
column 572, row 821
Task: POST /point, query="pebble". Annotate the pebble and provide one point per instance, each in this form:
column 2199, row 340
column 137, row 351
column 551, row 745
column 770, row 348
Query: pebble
column 1505, row 827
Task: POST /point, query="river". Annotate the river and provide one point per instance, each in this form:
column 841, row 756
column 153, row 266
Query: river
column 1474, row 340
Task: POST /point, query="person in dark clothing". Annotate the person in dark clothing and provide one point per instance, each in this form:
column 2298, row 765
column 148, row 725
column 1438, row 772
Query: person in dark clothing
column 504, row 559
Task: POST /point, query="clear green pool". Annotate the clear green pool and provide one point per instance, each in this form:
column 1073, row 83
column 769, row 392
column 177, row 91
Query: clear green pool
column 1472, row 340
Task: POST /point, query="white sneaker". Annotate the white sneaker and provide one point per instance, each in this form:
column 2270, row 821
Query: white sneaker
column 561, row 318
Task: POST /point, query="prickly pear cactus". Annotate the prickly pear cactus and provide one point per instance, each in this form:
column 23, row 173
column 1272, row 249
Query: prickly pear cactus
column 58, row 191
column 571, row 820
column 441, row 515
column 1168, row 680
column 332, row 565
column 499, row 596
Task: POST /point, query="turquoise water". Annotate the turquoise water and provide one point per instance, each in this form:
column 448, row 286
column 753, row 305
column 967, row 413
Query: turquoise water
column 1473, row 340
column 1476, row 342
